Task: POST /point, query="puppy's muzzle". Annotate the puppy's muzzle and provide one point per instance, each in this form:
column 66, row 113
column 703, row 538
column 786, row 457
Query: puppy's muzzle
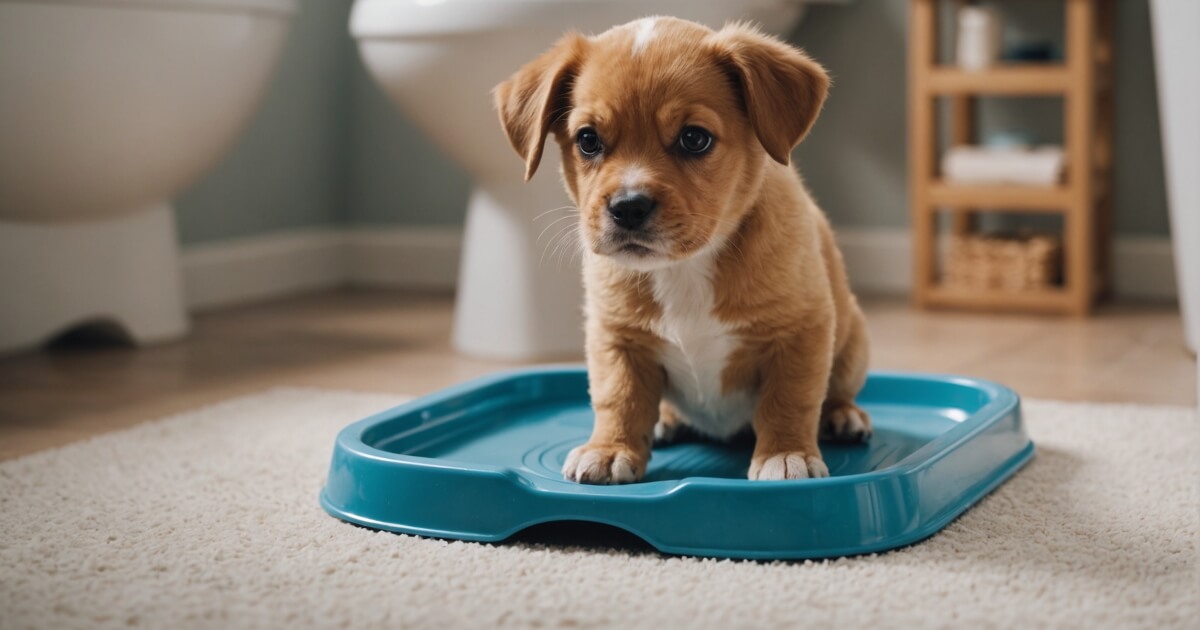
column 631, row 211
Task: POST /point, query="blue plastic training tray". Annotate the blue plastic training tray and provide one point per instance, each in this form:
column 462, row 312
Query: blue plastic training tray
column 481, row 462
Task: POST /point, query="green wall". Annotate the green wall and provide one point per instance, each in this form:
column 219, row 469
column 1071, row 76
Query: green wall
column 395, row 174
column 328, row 148
column 287, row 171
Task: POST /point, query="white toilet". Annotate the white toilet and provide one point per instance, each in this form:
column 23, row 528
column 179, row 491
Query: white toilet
column 1176, row 51
column 108, row 108
column 438, row 60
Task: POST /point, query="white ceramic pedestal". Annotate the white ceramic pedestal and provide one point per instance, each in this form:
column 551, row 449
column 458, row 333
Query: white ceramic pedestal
column 519, row 298
column 56, row 276
column 1176, row 54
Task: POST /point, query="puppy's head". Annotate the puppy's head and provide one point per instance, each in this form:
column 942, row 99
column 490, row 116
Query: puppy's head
column 665, row 128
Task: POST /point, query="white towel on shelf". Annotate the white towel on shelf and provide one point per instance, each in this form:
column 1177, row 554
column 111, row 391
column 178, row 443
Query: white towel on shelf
column 1037, row 166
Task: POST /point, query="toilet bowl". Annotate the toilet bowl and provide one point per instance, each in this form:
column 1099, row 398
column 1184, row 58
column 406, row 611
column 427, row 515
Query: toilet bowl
column 108, row 108
column 519, row 291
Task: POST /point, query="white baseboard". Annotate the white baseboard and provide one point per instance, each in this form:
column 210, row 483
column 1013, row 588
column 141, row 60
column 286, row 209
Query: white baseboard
column 425, row 258
column 878, row 261
column 1144, row 268
column 243, row 270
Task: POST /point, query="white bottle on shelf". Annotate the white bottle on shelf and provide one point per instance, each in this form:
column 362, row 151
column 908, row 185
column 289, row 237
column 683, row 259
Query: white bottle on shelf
column 978, row 45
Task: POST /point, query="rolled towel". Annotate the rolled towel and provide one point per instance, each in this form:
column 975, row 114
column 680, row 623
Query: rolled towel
column 1039, row 166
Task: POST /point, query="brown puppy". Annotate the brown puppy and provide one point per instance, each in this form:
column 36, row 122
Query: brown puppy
column 716, row 297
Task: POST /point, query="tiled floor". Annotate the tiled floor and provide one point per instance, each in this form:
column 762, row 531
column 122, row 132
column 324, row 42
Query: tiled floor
column 396, row 342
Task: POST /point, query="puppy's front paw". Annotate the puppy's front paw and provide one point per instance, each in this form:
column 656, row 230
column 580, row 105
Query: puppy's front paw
column 603, row 464
column 845, row 422
column 790, row 465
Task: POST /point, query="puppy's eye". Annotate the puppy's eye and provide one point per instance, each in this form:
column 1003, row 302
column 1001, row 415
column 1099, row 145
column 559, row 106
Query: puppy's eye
column 588, row 141
column 695, row 140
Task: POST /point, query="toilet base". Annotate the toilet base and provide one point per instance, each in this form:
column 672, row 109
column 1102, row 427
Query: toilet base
column 519, row 297
column 124, row 271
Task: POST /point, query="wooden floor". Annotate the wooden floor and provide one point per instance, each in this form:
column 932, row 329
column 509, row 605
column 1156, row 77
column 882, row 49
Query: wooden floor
column 395, row 342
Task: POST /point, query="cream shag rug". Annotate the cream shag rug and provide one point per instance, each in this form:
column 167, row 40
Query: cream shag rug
column 210, row 519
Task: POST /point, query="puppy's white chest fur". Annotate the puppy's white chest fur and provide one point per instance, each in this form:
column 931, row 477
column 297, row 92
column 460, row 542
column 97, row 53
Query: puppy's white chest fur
column 697, row 349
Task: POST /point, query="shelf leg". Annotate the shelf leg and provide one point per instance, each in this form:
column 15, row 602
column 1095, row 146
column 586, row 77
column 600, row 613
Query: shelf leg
column 1105, row 148
column 922, row 141
column 1080, row 127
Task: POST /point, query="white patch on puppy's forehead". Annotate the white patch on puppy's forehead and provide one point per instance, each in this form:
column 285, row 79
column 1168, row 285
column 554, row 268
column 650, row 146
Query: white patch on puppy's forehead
column 645, row 33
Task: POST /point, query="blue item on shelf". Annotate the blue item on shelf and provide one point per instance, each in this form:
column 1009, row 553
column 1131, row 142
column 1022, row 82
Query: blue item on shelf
column 1008, row 140
column 481, row 462
column 1032, row 52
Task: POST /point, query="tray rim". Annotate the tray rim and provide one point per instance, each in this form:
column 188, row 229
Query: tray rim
column 1003, row 400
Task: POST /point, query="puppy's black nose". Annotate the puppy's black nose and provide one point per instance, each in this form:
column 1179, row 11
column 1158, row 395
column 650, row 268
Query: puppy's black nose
column 631, row 211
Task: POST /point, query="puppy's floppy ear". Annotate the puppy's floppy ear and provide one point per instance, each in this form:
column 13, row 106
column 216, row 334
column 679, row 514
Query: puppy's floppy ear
column 531, row 101
column 783, row 88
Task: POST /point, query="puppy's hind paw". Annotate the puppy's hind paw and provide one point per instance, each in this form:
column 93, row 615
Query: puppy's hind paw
column 603, row 464
column 670, row 427
column 664, row 433
column 792, row 465
column 846, row 423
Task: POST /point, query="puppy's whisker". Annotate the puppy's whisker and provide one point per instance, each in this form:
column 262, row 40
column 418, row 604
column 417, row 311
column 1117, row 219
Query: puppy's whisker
column 558, row 209
column 551, row 243
column 550, row 225
column 555, row 242
column 555, row 259
column 560, row 213
column 564, row 243
column 570, row 245
column 577, row 256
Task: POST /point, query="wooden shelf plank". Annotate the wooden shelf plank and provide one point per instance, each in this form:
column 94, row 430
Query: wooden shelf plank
column 1032, row 198
column 1054, row 300
column 1009, row 79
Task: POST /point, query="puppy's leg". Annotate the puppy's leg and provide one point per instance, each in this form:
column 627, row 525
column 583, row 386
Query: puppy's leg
column 841, row 419
column 626, row 383
column 795, row 376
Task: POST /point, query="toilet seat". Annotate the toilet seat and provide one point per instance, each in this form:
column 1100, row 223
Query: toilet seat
column 396, row 19
column 258, row 6
column 389, row 19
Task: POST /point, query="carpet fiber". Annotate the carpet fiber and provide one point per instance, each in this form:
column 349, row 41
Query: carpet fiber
column 210, row 519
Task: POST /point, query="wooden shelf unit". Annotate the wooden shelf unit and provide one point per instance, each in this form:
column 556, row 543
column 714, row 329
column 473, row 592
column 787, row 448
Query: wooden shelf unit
column 1084, row 199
